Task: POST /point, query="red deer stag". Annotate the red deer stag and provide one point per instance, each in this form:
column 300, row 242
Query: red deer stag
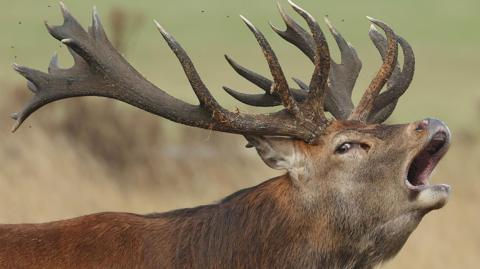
column 354, row 189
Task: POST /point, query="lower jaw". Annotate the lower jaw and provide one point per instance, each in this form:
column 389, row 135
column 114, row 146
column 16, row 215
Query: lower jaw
column 431, row 197
column 416, row 187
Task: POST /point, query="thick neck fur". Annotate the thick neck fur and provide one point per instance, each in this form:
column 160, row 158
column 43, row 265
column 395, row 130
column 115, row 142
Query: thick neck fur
column 267, row 227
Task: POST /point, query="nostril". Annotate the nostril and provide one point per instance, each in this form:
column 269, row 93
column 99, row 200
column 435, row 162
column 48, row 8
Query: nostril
column 422, row 125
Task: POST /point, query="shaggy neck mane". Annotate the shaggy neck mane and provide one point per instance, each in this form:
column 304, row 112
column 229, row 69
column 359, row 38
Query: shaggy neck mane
column 261, row 225
column 267, row 195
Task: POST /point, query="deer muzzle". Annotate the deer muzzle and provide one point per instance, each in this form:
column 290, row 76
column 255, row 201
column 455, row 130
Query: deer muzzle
column 436, row 144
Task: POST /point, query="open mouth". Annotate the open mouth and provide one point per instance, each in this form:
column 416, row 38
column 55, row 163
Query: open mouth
column 426, row 160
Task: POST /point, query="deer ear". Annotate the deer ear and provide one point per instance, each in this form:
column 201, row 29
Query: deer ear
column 277, row 152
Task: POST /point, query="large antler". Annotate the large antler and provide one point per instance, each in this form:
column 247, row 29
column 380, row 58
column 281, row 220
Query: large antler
column 99, row 70
column 342, row 75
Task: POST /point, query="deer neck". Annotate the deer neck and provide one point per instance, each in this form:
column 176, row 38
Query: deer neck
column 267, row 224
column 286, row 218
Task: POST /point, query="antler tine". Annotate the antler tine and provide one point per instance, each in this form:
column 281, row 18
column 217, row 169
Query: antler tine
column 53, row 65
column 263, row 100
column 381, row 114
column 203, row 94
column 397, row 84
column 96, row 30
column 280, row 85
column 404, row 79
column 364, row 108
column 301, row 84
column 72, row 34
column 268, row 99
column 260, row 100
column 380, row 43
column 347, row 51
column 99, row 70
column 343, row 76
column 295, row 34
column 257, row 79
column 33, row 77
column 319, row 80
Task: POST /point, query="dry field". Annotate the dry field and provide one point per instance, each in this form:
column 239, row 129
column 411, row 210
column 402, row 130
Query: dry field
column 89, row 155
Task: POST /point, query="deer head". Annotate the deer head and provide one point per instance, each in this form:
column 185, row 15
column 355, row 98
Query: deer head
column 368, row 177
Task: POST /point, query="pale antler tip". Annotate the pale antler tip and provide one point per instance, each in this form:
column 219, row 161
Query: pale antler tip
column 332, row 28
column 15, row 127
column 274, row 28
column 18, row 68
column 243, row 18
column 291, row 3
column 375, row 21
column 95, row 14
column 279, row 6
column 96, row 20
column 160, row 28
column 54, row 57
column 248, row 23
column 17, row 123
column 373, row 28
column 228, row 58
column 15, row 66
column 53, row 61
column 303, row 12
column 298, row 9
column 48, row 26
column 327, row 21
column 67, row 41
column 64, row 9
column 283, row 13
column 14, row 115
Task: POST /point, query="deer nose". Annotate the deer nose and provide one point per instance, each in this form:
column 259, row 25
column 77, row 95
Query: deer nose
column 433, row 127
column 422, row 125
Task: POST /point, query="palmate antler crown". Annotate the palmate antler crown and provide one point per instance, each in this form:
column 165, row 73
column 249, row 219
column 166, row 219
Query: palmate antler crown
column 100, row 70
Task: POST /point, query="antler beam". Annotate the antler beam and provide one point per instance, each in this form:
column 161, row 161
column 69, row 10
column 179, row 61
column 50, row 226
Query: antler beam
column 99, row 70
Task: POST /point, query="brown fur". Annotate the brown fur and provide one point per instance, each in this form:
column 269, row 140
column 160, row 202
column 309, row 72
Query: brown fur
column 339, row 213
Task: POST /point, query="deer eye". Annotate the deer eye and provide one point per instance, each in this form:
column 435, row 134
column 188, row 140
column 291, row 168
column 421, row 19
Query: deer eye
column 344, row 148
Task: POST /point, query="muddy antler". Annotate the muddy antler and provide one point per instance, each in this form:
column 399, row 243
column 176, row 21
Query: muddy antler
column 365, row 106
column 373, row 107
column 99, row 70
column 398, row 82
column 312, row 101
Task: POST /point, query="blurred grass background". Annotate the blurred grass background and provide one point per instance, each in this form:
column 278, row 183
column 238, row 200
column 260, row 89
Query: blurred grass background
column 88, row 155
